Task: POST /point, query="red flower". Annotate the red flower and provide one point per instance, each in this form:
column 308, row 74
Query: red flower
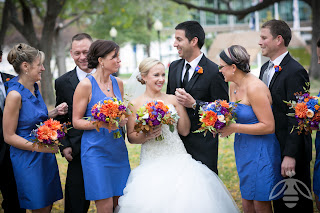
column 7, row 79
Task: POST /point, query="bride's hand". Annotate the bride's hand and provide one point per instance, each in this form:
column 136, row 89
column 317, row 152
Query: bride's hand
column 157, row 131
column 227, row 130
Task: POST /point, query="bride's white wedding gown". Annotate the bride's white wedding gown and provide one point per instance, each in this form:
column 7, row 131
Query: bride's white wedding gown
column 169, row 180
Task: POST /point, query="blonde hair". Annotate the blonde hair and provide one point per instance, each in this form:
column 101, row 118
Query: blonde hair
column 23, row 53
column 145, row 66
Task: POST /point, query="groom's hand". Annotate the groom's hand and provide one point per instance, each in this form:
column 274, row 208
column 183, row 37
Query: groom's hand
column 184, row 98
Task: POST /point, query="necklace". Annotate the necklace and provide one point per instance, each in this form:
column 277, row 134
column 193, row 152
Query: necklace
column 235, row 91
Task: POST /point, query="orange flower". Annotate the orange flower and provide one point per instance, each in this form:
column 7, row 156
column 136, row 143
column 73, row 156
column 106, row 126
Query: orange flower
column 7, row 79
column 301, row 110
column 53, row 124
column 210, row 118
column 306, row 100
column 224, row 103
column 44, row 133
column 316, row 107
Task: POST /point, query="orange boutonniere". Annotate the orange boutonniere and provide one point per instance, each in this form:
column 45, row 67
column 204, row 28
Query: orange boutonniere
column 277, row 68
column 7, row 79
column 199, row 69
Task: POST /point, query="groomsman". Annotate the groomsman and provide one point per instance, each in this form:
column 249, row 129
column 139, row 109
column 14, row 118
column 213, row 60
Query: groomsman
column 195, row 79
column 289, row 78
column 65, row 86
column 8, row 185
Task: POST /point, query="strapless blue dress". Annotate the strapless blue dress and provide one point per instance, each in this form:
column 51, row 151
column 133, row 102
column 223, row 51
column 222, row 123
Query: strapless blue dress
column 258, row 159
column 104, row 160
column 36, row 173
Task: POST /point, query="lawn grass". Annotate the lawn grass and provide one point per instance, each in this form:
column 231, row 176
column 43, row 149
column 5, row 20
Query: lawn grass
column 226, row 165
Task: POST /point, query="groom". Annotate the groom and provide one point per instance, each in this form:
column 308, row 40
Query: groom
column 195, row 79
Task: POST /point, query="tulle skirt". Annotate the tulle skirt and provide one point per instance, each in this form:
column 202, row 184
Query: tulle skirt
column 174, row 184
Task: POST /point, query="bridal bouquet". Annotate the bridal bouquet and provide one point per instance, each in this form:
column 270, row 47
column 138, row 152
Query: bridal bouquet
column 110, row 112
column 153, row 114
column 306, row 111
column 216, row 115
column 49, row 133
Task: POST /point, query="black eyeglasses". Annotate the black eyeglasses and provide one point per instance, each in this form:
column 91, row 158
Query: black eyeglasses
column 221, row 66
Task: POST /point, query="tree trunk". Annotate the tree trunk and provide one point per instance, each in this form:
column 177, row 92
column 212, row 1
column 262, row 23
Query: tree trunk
column 5, row 21
column 314, row 66
column 60, row 52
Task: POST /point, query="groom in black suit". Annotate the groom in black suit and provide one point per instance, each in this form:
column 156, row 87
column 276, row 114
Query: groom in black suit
column 65, row 86
column 8, row 185
column 195, row 79
column 296, row 149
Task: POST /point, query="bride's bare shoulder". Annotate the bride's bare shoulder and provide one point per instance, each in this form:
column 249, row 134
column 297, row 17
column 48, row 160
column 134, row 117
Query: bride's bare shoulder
column 171, row 99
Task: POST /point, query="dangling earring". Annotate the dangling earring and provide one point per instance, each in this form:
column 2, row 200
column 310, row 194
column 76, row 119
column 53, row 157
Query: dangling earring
column 102, row 66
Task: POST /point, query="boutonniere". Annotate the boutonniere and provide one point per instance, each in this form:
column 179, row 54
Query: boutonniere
column 277, row 68
column 199, row 69
column 8, row 79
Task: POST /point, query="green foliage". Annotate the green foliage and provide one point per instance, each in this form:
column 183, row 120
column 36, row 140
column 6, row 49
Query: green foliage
column 134, row 19
column 301, row 55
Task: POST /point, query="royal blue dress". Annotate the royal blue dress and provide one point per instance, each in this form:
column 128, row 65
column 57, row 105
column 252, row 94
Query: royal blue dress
column 258, row 159
column 316, row 172
column 104, row 159
column 36, row 173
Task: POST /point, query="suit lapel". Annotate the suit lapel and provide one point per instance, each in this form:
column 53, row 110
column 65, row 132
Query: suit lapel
column 74, row 79
column 179, row 73
column 282, row 65
column 195, row 76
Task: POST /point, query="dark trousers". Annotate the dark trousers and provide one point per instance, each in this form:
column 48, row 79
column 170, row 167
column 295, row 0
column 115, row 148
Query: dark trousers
column 304, row 204
column 75, row 201
column 8, row 187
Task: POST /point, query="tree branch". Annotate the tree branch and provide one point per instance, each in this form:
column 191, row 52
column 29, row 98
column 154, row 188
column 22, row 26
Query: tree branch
column 239, row 13
column 5, row 21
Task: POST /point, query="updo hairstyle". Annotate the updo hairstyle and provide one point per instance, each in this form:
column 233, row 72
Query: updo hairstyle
column 23, row 53
column 145, row 66
column 100, row 48
column 238, row 56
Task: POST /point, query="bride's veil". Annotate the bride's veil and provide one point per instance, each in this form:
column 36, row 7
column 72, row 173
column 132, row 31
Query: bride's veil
column 132, row 87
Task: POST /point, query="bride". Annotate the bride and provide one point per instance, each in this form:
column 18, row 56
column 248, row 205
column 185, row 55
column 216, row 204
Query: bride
column 168, row 179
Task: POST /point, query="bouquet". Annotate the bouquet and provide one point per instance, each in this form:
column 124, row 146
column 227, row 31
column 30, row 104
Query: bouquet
column 49, row 133
column 216, row 115
column 306, row 111
column 111, row 112
column 153, row 114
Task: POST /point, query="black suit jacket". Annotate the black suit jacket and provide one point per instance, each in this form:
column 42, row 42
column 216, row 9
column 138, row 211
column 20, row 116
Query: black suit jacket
column 205, row 87
column 65, row 86
column 4, row 147
column 291, row 79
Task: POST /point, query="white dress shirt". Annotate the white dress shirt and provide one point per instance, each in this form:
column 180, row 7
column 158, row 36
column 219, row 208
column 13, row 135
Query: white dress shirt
column 82, row 75
column 193, row 65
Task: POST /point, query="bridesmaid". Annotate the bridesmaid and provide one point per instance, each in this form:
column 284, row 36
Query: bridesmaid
column 316, row 172
column 104, row 159
column 35, row 170
column 257, row 150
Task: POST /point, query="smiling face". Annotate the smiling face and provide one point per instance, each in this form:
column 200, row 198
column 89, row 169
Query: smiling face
column 34, row 69
column 183, row 45
column 111, row 62
column 156, row 77
column 269, row 45
column 226, row 70
column 79, row 51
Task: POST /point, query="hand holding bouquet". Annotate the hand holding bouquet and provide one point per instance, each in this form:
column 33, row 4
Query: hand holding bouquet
column 215, row 115
column 151, row 115
column 111, row 112
column 306, row 111
column 49, row 133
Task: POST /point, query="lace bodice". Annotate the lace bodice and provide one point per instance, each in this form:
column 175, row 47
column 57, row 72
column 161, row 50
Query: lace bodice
column 170, row 145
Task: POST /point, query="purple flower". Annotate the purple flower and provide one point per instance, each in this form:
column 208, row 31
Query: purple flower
column 155, row 122
column 122, row 108
column 219, row 125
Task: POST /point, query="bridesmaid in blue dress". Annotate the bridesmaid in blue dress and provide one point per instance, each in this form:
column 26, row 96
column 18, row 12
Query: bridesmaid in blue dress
column 104, row 159
column 257, row 150
column 35, row 170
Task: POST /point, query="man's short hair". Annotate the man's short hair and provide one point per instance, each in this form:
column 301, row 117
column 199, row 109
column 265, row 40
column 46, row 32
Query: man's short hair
column 279, row 27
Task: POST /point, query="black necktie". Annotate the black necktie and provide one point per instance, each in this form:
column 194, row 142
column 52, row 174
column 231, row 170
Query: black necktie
column 186, row 76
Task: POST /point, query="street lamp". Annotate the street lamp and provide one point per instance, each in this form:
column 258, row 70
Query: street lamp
column 113, row 33
column 158, row 27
